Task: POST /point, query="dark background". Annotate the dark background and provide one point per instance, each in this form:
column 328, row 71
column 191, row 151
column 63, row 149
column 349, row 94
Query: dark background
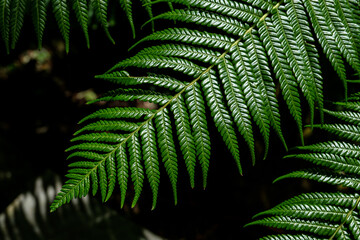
column 43, row 96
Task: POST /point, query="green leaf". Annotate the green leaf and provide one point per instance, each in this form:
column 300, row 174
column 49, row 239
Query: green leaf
column 261, row 70
column 317, row 227
column 103, row 178
column 196, row 106
column 81, row 11
column 185, row 137
column 324, row 176
column 236, row 102
column 126, row 5
column 221, row 116
column 325, row 31
column 5, row 23
column 283, row 71
column 100, row 9
column 167, row 148
column 136, row 167
column 62, row 15
column 225, row 7
column 122, row 173
column 252, row 91
column 226, row 24
column 151, row 162
column 39, row 18
column 17, row 13
column 190, row 36
column 292, row 48
column 111, row 172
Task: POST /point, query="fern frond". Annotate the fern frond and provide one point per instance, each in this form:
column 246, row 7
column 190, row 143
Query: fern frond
column 134, row 94
column 196, row 106
column 154, row 79
column 321, row 175
column 102, row 173
column 349, row 18
column 113, row 113
column 263, row 75
column 288, row 223
column 150, row 157
column 39, row 18
column 300, row 68
column 291, row 237
column 122, row 174
column 227, row 67
column 229, row 25
column 336, row 199
column 348, row 116
column 324, row 30
column 305, row 42
column 351, row 132
column 152, row 61
column 148, row 8
column 172, row 50
column 308, row 211
column 350, row 105
column 220, row 115
column 98, row 147
column 104, row 125
column 355, row 95
column 284, row 74
column 233, row 9
column 186, row 139
column 62, row 15
column 252, row 91
column 100, row 9
column 99, row 137
column 335, row 147
column 127, row 6
column 333, row 161
column 81, row 11
column 12, row 13
column 167, row 148
column 17, row 13
column 136, row 167
column 236, row 102
column 190, row 36
column 345, row 43
column 339, row 211
column 5, row 23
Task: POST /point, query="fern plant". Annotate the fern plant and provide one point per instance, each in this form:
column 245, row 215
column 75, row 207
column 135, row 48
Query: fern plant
column 13, row 12
column 330, row 215
column 229, row 68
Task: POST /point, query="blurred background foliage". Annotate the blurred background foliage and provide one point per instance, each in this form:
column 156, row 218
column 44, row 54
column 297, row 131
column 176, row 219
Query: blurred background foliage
column 43, row 94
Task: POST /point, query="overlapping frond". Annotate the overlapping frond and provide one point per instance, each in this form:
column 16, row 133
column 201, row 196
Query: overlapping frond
column 13, row 14
column 231, row 69
column 330, row 215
